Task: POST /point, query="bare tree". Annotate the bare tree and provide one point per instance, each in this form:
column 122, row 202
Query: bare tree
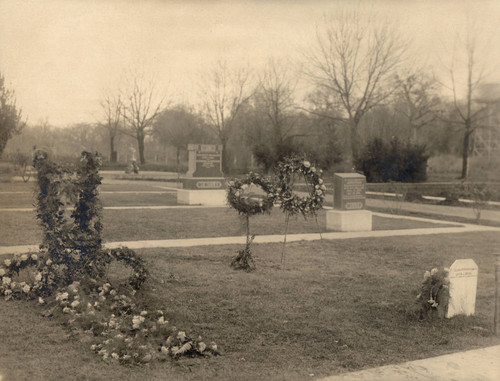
column 417, row 100
column 141, row 106
column 10, row 115
column 275, row 114
column 352, row 62
column 468, row 112
column 276, row 96
column 113, row 109
column 178, row 126
column 224, row 92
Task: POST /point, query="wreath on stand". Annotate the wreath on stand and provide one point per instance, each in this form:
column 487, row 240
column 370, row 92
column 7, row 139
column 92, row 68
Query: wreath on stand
column 248, row 204
column 292, row 203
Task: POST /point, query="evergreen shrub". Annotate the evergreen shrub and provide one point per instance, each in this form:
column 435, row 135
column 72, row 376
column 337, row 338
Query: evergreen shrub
column 394, row 161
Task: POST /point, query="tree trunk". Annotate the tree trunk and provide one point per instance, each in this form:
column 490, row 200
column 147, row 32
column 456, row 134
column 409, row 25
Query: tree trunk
column 225, row 164
column 351, row 157
column 178, row 159
column 140, row 144
column 465, row 154
column 112, row 157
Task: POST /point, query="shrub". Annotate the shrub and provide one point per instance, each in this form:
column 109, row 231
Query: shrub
column 382, row 162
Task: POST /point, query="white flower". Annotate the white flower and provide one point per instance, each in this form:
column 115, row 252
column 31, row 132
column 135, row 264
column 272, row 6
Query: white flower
column 307, row 164
column 320, row 181
column 319, row 192
column 24, row 257
column 2, row 272
column 115, row 355
column 144, row 313
column 38, row 277
column 7, row 262
column 41, row 301
column 7, row 292
column 434, row 271
column 93, row 347
column 66, row 310
column 63, row 296
column 202, row 346
column 162, row 320
column 181, row 335
column 75, row 303
column 244, row 186
column 137, row 321
column 26, row 288
column 49, row 262
column 34, row 257
column 6, row 280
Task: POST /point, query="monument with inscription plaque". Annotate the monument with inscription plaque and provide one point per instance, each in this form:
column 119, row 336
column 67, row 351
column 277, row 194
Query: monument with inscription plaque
column 349, row 200
column 204, row 182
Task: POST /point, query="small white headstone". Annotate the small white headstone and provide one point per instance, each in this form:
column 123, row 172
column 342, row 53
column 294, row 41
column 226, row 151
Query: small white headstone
column 463, row 286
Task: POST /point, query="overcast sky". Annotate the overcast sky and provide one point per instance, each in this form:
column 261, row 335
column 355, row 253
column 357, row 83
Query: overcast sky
column 59, row 56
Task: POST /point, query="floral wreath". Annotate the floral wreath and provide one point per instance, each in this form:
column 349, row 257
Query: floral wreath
column 246, row 204
column 292, row 203
column 130, row 258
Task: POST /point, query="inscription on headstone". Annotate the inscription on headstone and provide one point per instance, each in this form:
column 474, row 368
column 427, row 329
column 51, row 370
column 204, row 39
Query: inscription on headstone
column 205, row 160
column 349, row 191
column 463, row 286
column 204, row 167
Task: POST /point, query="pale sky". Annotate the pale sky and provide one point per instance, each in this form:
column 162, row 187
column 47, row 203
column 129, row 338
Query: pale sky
column 59, row 56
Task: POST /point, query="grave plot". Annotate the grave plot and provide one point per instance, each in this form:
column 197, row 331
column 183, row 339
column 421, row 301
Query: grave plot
column 20, row 228
column 337, row 306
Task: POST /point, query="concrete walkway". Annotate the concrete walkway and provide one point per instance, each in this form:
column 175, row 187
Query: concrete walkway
column 479, row 365
column 238, row 240
column 443, row 210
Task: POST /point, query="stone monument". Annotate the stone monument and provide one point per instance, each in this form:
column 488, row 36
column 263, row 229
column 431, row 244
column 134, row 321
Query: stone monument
column 204, row 182
column 349, row 200
column 463, row 286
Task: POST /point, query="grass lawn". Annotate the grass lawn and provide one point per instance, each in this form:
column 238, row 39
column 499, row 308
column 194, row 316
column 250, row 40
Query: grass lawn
column 21, row 228
column 336, row 306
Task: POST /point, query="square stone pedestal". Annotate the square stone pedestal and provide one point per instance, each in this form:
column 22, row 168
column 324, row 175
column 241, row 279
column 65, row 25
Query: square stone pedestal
column 210, row 197
column 349, row 220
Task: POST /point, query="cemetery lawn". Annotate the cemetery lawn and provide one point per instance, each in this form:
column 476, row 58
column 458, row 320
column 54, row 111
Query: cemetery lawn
column 336, row 306
column 21, row 228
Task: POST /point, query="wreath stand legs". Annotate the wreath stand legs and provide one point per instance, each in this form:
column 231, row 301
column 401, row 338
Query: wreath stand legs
column 287, row 219
column 244, row 260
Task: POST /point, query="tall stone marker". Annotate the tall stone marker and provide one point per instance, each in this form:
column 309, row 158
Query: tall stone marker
column 463, row 286
column 349, row 200
column 204, row 182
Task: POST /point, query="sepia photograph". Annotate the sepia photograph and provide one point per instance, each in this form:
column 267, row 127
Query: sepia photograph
column 250, row 190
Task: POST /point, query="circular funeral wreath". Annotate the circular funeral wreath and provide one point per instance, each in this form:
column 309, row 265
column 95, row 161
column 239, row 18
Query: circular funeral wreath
column 245, row 204
column 291, row 202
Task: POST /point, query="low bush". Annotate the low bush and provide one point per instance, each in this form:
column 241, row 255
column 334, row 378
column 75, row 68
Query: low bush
column 394, row 161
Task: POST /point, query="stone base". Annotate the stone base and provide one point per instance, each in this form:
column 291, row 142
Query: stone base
column 203, row 183
column 349, row 220
column 212, row 197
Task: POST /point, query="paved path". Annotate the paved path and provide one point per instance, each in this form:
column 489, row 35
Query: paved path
column 452, row 211
column 190, row 242
column 478, row 365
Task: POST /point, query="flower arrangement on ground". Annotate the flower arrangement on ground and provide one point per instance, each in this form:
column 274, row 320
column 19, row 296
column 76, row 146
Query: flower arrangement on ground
column 434, row 292
column 68, row 274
